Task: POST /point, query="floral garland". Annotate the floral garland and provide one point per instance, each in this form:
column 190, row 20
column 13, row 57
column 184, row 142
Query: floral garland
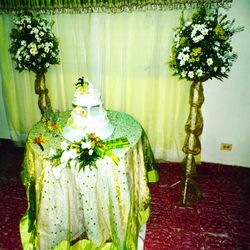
column 202, row 47
column 33, row 46
column 86, row 151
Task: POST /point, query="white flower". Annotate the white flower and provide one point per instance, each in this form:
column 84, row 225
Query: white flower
column 33, row 51
column 191, row 74
column 23, row 43
column 199, row 72
column 216, row 48
column 183, row 58
column 27, row 19
column 183, row 74
column 46, row 49
column 73, row 153
column 186, row 49
column 65, row 156
column 31, row 45
column 91, row 151
column 18, row 52
column 40, row 46
column 64, row 145
column 29, row 26
column 188, row 23
column 41, row 33
column 38, row 38
column 204, row 32
column 193, row 33
column 46, row 64
column 216, row 43
column 210, row 61
column 52, row 152
column 198, row 38
column 86, row 145
column 176, row 36
column 223, row 70
column 182, row 62
column 27, row 57
column 34, row 30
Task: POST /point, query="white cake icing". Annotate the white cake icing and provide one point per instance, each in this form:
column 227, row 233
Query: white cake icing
column 87, row 96
column 88, row 116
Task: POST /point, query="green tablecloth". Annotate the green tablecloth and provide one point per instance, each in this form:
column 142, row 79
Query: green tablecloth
column 98, row 208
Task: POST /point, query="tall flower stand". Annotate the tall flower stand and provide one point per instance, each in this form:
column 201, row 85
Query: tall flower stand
column 191, row 193
column 44, row 102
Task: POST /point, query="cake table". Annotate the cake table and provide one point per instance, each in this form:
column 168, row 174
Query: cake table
column 102, row 207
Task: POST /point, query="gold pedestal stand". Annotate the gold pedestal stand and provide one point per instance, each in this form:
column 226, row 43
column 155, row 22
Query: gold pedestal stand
column 44, row 102
column 191, row 193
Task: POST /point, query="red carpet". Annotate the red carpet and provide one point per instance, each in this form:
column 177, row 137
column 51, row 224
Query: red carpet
column 220, row 221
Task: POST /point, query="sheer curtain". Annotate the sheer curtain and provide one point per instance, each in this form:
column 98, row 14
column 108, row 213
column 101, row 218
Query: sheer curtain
column 124, row 55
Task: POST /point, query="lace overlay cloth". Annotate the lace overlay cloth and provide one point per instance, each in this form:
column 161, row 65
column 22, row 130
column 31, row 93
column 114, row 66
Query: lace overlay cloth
column 103, row 206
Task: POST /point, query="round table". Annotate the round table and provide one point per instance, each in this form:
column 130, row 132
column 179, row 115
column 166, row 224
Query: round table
column 100, row 207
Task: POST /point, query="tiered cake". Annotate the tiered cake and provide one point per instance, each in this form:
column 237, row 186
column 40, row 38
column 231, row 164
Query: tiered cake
column 88, row 115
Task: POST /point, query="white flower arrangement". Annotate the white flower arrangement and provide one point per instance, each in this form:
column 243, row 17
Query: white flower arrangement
column 202, row 47
column 33, row 46
column 86, row 152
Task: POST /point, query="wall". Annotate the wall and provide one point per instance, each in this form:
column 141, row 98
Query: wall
column 226, row 110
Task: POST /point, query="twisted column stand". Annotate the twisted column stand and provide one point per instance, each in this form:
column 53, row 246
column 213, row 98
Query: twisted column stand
column 44, row 102
column 191, row 193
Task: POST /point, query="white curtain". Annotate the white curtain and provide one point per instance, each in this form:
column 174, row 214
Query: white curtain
column 125, row 56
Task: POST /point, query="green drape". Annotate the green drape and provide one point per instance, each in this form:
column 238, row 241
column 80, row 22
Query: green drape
column 56, row 6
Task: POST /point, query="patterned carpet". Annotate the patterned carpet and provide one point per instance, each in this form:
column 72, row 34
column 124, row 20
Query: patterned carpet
column 220, row 221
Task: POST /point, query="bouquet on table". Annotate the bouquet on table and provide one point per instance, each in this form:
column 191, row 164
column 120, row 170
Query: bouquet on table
column 86, row 152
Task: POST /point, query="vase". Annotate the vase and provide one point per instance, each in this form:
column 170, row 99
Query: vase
column 191, row 193
column 44, row 102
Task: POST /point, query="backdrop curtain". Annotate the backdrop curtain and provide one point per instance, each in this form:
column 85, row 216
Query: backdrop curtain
column 124, row 55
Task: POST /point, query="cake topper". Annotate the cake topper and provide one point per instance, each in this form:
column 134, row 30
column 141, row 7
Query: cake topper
column 81, row 82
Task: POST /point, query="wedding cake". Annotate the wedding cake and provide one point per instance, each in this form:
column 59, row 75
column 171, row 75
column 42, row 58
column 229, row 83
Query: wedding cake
column 88, row 114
